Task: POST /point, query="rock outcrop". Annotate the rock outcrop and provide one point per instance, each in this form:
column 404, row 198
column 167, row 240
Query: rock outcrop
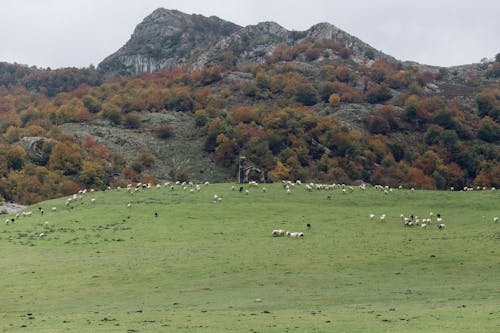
column 169, row 38
column 166, row 39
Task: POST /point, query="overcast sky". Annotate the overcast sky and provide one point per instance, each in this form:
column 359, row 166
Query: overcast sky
column 78, row 33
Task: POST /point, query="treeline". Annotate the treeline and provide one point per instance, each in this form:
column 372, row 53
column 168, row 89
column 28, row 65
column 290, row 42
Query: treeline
column 47, row 81
column 280, row 115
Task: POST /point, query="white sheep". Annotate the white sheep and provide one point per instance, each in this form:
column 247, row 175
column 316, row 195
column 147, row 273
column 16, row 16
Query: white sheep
column 495, row 219
column 278, row 233
column 441, row 226
column 372, row 216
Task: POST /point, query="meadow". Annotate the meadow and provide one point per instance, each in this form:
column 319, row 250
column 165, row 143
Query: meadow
column 162, row 260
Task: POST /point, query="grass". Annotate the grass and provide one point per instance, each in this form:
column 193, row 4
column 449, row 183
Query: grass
column 201, row 266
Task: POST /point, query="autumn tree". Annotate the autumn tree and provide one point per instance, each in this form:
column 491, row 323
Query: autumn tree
column 489, row 130
column 66, row 158
column 306, row 94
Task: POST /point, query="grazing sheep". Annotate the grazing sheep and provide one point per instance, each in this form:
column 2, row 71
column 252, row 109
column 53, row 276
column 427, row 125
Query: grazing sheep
column 41, row 235
column 295, row 234
column 278, row 233
column 129, row 205
column 372, row 216
column 441, row 226
column 382, row 217
column 424, row 225
column 308, row 226
column 92, row 200
column 54, row 209
column 495, row 219
column 408, row 223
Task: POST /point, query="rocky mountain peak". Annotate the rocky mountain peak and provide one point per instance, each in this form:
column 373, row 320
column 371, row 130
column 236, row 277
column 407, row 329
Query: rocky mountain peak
column 170, row 38
column 165, row 39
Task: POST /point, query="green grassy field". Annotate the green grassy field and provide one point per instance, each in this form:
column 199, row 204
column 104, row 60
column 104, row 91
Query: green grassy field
column 201, row 266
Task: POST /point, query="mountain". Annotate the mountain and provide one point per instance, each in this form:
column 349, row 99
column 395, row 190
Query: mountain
column 169, row 38
column 318, row 105
column 166, row 39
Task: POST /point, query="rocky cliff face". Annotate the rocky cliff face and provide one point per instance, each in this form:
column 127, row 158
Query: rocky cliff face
column 169, row 38
column 248, row 45
column 165, row 39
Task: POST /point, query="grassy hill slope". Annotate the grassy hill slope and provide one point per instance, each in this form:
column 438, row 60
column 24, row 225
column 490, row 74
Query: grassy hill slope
column 201, row 266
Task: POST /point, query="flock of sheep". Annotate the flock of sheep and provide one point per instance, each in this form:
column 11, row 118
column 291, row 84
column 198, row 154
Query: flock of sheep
column 288, row 186
column 414, row 220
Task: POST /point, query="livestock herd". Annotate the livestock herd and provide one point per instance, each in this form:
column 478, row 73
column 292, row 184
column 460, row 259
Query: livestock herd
column 288, row 186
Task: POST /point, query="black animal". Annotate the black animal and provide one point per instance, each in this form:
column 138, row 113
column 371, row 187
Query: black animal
column 308, row 226
column 241, row 188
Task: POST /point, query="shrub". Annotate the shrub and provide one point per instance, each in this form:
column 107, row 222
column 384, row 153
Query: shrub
column 132, row 121
column 378, row 94
column 164, row 131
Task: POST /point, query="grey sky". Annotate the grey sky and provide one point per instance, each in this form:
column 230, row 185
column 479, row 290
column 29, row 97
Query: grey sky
column 61, row 33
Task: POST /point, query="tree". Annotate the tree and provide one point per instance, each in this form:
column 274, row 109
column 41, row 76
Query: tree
column 433, row 135
column 306, row 94
column 326, row 89
column 65, row 158
column 334, row 100
column 226, row 150
column 92, row 104
column 112, row 113
column 376, row 124
column 378, row 94
column 488, row 103
column 489, row 130
column 279, row 173
column 93, row 175
column 16, row 157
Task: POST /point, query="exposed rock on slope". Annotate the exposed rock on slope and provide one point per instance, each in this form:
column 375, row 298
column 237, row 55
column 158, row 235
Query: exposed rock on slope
column 248, row 45
column 165, row 39
column 169, row 38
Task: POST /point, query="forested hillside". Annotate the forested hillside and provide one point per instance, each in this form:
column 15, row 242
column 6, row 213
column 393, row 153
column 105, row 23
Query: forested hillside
column 314, row 111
